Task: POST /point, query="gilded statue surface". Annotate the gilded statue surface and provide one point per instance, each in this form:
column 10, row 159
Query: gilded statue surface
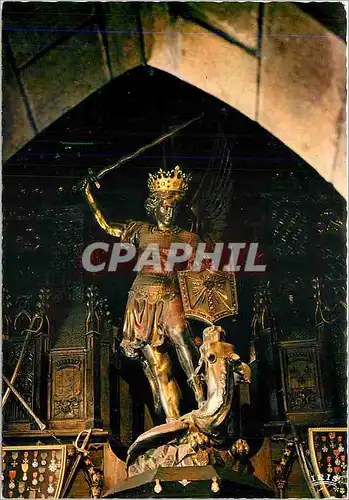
column 155, row 313
column 205, row 427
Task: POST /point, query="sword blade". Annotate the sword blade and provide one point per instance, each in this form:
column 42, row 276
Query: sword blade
column 157, row 141
column 77, row 460
column 16, row 370
column 21, row 356
column 41, row 425
column 71, row 475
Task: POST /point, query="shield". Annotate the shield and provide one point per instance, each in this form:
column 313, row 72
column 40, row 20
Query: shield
column 328, row 452
column 208, row 295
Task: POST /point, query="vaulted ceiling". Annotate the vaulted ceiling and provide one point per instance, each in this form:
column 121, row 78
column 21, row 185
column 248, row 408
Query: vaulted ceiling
column 273, row 62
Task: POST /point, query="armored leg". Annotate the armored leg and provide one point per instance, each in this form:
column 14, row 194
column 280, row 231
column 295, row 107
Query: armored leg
column 154, row 386
column 187, row 353
column 169, row 392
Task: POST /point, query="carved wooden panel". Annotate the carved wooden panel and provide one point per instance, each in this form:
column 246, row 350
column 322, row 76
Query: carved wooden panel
column 303, row 391
column 302, row 380
column 67, row 393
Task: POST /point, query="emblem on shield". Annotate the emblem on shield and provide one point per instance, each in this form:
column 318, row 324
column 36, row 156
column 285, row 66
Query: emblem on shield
column 329, row 458
column 208, row 295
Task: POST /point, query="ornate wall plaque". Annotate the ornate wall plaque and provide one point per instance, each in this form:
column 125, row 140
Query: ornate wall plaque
column 33, row 471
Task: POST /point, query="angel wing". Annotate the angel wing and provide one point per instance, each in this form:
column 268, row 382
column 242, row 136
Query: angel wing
column 211, row 202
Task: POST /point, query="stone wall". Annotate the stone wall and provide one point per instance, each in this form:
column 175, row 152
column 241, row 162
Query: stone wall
column 272, row 62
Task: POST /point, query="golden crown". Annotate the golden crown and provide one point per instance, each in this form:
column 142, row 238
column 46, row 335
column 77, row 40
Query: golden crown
column 170, row 180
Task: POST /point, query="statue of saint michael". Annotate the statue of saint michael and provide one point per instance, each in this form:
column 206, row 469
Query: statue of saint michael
column 154, row 312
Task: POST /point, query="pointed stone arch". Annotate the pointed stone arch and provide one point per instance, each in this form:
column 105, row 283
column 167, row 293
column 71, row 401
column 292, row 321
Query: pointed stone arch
column 272, row 62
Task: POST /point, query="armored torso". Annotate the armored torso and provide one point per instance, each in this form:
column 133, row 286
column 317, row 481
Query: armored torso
column 155, row 284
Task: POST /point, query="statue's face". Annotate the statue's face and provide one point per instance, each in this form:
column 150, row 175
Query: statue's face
column 166, row 210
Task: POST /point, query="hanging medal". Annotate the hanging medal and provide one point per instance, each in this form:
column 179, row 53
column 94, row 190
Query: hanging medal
column 24, row 467
column 12, row 475
column 50, row 489
column 332, row 436
column 337, row 460
column 41, row 471
column 14, row 462
column 43, row 458
column 35, row 478
column 340, row 445
column 53, row 464
column 10, row 494
column 21, row 487
column 25, row 455
column 35, row 461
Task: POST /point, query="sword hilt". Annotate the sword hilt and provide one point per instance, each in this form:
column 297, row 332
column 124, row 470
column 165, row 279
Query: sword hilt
column 89, row 178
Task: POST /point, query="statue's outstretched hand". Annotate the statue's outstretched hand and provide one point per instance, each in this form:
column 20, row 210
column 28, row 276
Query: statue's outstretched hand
column 89, row 178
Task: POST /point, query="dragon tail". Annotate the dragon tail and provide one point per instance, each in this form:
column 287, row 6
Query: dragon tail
column 157, row 436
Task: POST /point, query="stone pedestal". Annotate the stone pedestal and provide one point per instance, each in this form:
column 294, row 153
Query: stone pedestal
column 179, row 471
column 190, row 482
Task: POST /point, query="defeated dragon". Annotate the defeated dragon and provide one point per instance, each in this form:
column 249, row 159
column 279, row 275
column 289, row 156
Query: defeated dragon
column 206, row 426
